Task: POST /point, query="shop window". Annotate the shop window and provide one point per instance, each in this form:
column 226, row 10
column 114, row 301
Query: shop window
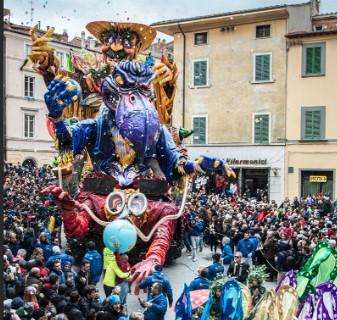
column 200, row 38
column 29, row 125
column 263, row 31
column 261, row 128
column 200, row 73
column 199, row 130
column 313, row 59
column 262, row 67
column 313, row 123
column 314, row 182
column 29, row 87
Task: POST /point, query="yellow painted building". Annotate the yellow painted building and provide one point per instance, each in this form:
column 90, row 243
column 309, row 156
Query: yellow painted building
column 311, row 115
column 232, row 88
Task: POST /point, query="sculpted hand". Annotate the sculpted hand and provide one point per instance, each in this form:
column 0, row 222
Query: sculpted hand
column 140, row 271
column 61, row 92
column 62, row 198
column 165, row 71
column 42, row 54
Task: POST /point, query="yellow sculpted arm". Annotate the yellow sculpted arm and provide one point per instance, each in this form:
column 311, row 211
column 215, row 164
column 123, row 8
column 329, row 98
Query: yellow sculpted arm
column 165, row 88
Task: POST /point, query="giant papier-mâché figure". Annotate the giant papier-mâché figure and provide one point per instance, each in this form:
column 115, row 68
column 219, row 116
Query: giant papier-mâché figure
column 128, row 142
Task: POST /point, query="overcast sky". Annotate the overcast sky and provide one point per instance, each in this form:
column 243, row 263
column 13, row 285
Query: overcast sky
column 73, row 15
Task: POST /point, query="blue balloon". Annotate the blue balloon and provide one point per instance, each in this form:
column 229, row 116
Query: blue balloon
column 120, row 236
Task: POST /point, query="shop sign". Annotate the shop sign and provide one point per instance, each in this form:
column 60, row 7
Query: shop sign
column 234, row 161
column 318, row 179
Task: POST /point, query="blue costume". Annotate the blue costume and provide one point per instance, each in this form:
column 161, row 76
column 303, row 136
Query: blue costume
column 158, row 276
column 158, row 308
column 227, row 254
column 199, row 283
column 245, row 246
column 63, row 257
column 214, row 270
column 96, row 264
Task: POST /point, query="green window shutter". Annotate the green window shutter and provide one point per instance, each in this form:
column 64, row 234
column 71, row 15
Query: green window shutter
column 199, row 128
column 313, row 120
column 261, row 128
column 317, row 60
column 313, row 60
column 200, row 73
column 262, row 67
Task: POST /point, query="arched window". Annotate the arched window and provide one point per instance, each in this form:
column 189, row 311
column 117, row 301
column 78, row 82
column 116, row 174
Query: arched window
column 29, row 162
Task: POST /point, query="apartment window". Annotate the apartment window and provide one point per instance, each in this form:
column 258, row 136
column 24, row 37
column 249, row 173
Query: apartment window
column 200, row 38
column 313, row 59
column 28, row 49
column 29, row 86
column 200, row 73
column 29, row 125
column 263, row 31
column 262, row 67
column 261, row 128
column 61, row 57
column 313, row 123
column 199, row 130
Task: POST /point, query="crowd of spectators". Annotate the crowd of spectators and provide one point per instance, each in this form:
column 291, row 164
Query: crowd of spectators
column 43, row 281
column 41, row 277
column 243, row 232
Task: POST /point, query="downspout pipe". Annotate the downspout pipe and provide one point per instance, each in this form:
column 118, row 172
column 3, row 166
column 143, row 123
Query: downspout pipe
column 184, row 73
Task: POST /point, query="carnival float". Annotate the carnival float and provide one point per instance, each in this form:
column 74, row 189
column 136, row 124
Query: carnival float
column 120, row 160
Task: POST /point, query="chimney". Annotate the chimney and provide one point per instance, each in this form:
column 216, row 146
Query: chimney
column 65, row 35
column 82, row 39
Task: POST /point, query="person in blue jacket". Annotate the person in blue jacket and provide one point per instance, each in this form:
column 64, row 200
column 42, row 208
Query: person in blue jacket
column 245, row 245
column 58, row 255
column 96, row 262
column 201, row 281
column 227, row 251
column 57, row 269
column 45, row 245
column 216, row 268
column 156, row 304
column 198, row 227
column 157, row 276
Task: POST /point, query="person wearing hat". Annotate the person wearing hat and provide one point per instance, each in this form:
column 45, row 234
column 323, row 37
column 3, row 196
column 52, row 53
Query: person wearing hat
column 58, row 255
column 158, row 276
column 201, row 281
column 113, row 309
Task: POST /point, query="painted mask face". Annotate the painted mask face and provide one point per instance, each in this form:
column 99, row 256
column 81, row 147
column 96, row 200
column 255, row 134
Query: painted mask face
column 127, row 92
column 119, row 45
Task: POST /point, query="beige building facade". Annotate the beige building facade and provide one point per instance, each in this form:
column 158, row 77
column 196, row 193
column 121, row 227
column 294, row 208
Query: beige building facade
column 26, row 135
column 232, row 88
column 311, row 115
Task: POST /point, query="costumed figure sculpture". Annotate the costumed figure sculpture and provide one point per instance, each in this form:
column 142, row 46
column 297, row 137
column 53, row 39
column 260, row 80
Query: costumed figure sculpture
column 111, row 113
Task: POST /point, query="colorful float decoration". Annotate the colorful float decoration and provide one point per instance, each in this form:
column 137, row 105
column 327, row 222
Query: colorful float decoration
column 119, row 157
